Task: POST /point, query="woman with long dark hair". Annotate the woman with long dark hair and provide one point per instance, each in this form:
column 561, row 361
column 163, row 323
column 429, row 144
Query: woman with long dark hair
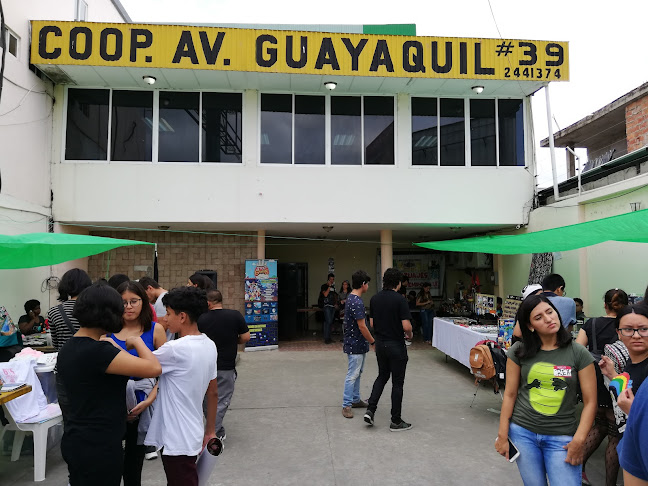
column 538, row 414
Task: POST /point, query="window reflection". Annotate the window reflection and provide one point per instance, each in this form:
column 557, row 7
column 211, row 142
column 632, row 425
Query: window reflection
column 346, row 130
column 222, row 127
column 453, row 136
column 482, row 133
column 178, row 127
column 276, row 129
column 379, row 130
column 511, row 132
column 310, row 126
column 424, row 131
column 86, row 135
column 132, row 125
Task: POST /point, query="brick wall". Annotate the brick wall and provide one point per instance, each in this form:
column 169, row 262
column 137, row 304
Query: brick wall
column 636, row 115
column 179, row 256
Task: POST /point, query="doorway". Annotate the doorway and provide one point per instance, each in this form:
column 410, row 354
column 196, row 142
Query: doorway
column 293, row 295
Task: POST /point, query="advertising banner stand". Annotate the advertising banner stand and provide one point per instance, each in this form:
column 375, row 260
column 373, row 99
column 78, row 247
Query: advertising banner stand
column 261, row 304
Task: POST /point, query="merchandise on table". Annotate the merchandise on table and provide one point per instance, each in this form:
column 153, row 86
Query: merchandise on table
column 510, row 307
column 505, row 332
column 485, row 304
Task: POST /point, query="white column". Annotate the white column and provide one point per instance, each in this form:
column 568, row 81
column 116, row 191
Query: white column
column 261, row 244
column 386, row 251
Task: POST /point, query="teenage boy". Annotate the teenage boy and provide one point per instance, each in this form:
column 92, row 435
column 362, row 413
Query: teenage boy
column 188, row 372
column 390, row 320
column 155, row 293
column 553, row 287
column 357, row 339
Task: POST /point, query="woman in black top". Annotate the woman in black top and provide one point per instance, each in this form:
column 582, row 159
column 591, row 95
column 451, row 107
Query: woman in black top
column 604, row 330
column 93, row 372
column 32, row 322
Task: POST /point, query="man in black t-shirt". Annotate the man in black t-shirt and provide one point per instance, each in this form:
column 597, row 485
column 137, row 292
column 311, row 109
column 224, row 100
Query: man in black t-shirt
column 391, row 322
column 227, row 328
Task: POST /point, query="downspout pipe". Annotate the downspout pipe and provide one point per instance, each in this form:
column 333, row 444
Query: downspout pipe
column 552, row 149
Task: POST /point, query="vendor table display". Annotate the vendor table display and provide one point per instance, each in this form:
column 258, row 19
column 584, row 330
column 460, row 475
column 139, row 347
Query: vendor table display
column 456, row 337
column 10, row 395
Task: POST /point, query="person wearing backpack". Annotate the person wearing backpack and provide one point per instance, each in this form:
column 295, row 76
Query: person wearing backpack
column 543, row 372
column 595, row 335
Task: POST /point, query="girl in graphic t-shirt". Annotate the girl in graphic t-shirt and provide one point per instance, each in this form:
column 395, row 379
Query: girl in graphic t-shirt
column 538, row 414
column 137, row 321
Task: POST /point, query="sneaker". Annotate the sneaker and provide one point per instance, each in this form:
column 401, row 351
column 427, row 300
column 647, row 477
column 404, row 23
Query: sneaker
column 369, row 417
column 222, row 437
column 398, row 427
column 408, row 343
column 149, row 456
column 585, row 480
column 360, row 404
column 347, row 412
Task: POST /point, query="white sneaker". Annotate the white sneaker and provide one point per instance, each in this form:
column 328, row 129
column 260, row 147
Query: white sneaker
column 408, row 343
column 149, row 456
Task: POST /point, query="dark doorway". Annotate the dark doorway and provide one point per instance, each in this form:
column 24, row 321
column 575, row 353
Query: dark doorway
column 293, row 295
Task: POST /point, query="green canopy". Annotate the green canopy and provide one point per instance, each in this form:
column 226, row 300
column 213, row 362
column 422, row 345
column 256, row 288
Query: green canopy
column 631, row 227
column 40, row 249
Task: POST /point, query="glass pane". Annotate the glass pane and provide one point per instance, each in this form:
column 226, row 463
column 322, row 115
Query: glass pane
column 276, row 129
column 511, row 132
column 178, row 127
column 346, row 130
column 379, row 130
column 453, row 136
column 482, row 133
column 86, row 135
column 222, row 127
column 424, row 131
column 132, row 125
column 310, row 135
column 13, row 44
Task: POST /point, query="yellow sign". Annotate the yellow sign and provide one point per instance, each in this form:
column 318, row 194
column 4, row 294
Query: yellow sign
column 270, row 51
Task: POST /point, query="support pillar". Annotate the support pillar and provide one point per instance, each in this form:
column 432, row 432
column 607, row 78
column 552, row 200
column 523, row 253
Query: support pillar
column 386, row 251
column 261, row 244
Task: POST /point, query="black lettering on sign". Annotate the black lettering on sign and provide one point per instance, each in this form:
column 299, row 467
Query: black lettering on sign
column 185, row 48
column 42, row 42
column 354, row 51
column 271, row 51
column 531, row 52
column 463, row 58
column 418, row 66
column 327, row 55
column 303, row 55
column 211, row 51
column 478, row 67
column 555, row 50
column 435, row 58
column 74, row 43
column 135, row 43
column 381, row 57
column 103, row 44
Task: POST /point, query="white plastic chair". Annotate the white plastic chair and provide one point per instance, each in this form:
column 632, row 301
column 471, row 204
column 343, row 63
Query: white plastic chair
column 40, row 430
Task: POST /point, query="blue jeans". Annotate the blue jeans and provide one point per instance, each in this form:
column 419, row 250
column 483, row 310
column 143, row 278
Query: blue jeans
column 426, row 323
column 352, row 381
column 542, row 457
column 329, row 314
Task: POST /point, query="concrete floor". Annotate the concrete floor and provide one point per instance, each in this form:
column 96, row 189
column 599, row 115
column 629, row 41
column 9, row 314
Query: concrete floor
column 285, row 427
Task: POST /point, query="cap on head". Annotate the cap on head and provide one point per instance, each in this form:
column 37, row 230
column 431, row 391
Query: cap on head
column 530, row 290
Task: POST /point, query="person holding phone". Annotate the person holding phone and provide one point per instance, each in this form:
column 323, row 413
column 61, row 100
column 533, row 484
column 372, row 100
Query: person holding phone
column 32, row 322
column 93, row 373
column 538, row 414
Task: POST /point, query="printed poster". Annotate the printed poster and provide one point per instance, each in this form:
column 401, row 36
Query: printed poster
column 261, row 302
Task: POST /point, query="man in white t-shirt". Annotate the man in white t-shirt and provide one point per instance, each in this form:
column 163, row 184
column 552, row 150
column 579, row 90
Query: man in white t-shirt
column 188, row 373
column 155, row 293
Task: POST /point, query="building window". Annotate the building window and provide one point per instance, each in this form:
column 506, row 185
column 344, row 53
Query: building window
column 276, row 128
column 453, row 133
column 379, row 130
column 511, row 132
column 132, row 126
column 346, row 130
column 310, row 130
column 222, row 127
column 425, row 123
column 482, row 133
column 81, row 11
column 86, row 136
column 178, row 127
column 11, row 42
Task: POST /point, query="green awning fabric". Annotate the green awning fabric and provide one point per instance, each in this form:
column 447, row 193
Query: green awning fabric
column 631, row 227
column 40, row 249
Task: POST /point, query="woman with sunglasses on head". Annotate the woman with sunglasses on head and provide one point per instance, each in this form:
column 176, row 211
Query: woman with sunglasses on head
column 137, row 321
column 538, row 414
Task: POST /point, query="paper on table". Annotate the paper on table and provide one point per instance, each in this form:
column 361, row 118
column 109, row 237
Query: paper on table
column 7, row 387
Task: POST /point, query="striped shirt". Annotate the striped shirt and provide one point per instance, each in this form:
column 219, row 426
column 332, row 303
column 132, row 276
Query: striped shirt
column 59, row 329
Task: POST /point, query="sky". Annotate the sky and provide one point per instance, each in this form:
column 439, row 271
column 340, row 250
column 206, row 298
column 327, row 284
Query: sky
column 607, row 45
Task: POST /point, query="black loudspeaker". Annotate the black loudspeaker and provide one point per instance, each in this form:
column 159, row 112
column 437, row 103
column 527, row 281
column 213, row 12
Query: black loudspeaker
column 212, row 274
column 288, row 281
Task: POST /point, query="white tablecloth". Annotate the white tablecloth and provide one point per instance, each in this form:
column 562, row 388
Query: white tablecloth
column 456, row 341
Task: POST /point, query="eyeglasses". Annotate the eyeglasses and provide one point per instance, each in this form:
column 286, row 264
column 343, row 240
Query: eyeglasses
column 629, row 331
column 132, row 302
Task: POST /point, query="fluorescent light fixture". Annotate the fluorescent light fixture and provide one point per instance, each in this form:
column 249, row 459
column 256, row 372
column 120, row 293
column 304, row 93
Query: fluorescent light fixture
column 149, row 79
column 330, row 85
column 478, row 89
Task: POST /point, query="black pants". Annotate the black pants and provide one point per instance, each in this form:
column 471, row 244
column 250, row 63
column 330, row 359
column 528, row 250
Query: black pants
column 180, row 470
column 133, row 456
column 392, row 360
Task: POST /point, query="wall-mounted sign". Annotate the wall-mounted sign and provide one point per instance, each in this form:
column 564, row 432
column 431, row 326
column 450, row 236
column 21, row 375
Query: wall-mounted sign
column 273, row 51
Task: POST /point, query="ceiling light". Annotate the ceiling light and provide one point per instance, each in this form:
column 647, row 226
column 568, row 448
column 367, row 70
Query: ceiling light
column 477, row 89
column 331, row 85
column 149, row 79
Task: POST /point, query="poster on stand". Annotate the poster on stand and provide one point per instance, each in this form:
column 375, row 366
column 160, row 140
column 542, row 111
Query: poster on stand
column 421, row 268
column 261, row 304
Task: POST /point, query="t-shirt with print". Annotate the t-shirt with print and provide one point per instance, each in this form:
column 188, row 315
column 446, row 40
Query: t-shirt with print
column 388, row 310
column 188, row 365
column 547, row 395
column 633, row 449
column 354, row 341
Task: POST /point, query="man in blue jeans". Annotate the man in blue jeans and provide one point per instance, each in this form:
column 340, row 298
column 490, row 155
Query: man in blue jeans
column 357, row 339
column 391, row 322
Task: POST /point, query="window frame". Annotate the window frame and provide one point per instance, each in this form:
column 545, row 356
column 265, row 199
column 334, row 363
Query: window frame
column 77, row 13
column 9, row 33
